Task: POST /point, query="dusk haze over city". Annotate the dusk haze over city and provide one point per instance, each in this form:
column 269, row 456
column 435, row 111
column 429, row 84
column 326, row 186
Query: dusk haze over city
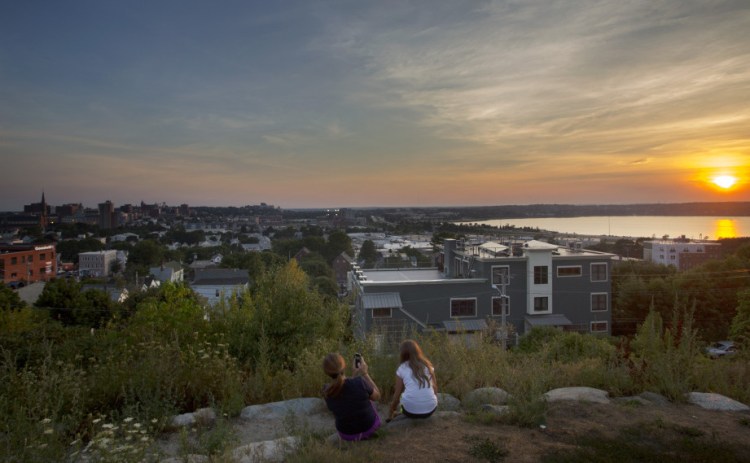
column 247, row 231
column 315, row 104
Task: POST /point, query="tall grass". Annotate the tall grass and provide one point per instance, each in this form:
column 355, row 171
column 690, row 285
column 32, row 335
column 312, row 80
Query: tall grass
column 169, row 358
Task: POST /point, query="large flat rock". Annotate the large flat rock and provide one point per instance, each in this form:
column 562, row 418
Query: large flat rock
column 580, row 394
column 711, row 401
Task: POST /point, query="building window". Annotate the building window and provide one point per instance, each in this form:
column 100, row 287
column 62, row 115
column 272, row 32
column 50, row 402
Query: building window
column 541, row 304
column 671, row 257
column 599, row 327
column 599, row 302
column 598, row 272
column 501, row 304
column 381, row 312
column 572, row 271
column 31, row 273
column 13, row 260
column 31, row 258
column 42, row 256
column 541, row 276
column 501, row 275
column 464, row 307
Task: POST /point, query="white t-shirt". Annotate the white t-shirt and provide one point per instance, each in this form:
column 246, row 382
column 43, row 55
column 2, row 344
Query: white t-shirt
column 415, row 399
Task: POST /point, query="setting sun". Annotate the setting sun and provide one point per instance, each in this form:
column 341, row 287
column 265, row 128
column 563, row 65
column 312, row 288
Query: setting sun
column 724, row 181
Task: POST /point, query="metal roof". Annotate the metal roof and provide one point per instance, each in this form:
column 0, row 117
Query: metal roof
column 381, row 300
column 465, row 325
column 554, row 319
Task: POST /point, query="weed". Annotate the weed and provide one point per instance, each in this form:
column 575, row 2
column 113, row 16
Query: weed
column 486, row 449
column 651, row 441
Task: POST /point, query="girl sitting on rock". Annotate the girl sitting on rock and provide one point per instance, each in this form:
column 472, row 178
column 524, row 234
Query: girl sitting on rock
column 350, row 398
column 416, row 386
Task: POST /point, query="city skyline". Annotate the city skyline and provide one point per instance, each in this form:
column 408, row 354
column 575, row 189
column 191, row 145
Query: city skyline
column 344, row 104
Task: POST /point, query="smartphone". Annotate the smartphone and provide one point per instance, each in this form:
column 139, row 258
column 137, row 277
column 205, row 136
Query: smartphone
column 357, row 360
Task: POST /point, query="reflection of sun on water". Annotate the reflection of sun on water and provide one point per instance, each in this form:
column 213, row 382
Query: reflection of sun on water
column 725, row 228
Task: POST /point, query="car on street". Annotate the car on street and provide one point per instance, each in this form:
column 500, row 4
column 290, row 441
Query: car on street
column 721, row 349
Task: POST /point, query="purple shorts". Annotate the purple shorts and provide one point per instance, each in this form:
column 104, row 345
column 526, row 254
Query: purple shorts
column 363, row 435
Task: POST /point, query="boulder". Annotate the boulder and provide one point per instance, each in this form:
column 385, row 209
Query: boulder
column 202, row 416
column 485, row 395
column 498, row 410
column 654, row 398
column 712, row 401
column 447, row 402
column 581, row 394
column 190, row 458
column 266, row 451
column 277, row 410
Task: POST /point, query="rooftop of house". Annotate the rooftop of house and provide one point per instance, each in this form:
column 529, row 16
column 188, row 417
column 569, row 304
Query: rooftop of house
column 221, row 276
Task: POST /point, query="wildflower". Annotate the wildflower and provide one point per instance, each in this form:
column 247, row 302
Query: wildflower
column 97, row 420
column 46, row 420
column 144, row 439
column 108, row 426
column 43, row 446
column 48, row 431
column 154, row 420
column 137, row 425
column 128, row 419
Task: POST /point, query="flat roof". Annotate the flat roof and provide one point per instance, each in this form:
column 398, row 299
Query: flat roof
column 406, row 274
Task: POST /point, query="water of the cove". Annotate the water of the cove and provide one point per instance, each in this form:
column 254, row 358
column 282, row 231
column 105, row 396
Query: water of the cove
column 694, row 227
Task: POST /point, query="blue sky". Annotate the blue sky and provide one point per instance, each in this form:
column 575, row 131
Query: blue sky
column 305, row 104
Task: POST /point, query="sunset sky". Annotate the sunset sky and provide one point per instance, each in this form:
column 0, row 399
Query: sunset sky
column 374, row 103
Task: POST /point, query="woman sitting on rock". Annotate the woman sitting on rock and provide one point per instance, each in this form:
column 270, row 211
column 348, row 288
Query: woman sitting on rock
column 416, row 386
column 350, row 398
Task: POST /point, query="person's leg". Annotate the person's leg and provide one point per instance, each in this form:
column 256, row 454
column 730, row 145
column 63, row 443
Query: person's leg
column 364, row 435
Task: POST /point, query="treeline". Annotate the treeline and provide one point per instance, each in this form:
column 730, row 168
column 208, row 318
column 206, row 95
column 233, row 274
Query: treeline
column 712, row 290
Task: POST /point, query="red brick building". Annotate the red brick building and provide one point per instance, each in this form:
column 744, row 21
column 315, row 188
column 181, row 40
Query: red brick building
column 22, row 263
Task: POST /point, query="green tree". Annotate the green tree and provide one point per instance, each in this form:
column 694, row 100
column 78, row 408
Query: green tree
column 9, row 299
column 69, row 249
column 740, row 330
column 338, row 242
column 368, row 253
column 285, row 315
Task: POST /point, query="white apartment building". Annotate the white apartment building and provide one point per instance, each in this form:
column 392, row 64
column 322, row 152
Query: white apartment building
column 682, row 254
column 96, row 263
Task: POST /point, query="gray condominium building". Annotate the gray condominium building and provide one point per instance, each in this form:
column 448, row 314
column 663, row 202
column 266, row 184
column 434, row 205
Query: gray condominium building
column 519, row 284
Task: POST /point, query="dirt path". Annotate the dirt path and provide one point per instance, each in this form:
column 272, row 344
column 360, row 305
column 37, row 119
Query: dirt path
column 455, row 439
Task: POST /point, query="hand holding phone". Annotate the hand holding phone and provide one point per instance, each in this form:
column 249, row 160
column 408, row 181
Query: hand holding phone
column 357, row 360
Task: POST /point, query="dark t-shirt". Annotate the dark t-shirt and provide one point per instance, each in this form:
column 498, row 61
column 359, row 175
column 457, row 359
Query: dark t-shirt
column 352, row 408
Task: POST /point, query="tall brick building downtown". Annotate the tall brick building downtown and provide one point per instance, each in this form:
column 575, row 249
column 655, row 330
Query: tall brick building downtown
column 27, row 263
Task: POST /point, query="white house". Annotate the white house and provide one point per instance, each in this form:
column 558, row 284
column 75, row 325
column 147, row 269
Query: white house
column 215, row 283
column 171, row 271
column 96, row 263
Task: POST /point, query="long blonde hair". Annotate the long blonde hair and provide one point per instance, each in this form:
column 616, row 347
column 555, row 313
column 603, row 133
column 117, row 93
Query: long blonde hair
column 412, row 353
column 334, row 365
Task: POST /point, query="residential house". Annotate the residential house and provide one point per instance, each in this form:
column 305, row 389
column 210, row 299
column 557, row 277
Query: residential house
column 217, row 283
column 96, row 263
column 518, row 285
column 342, row 265
column 169, row 272
column 114, row 293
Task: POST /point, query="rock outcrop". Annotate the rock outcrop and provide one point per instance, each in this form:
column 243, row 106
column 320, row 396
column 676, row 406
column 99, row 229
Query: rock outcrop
column 268, row 432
